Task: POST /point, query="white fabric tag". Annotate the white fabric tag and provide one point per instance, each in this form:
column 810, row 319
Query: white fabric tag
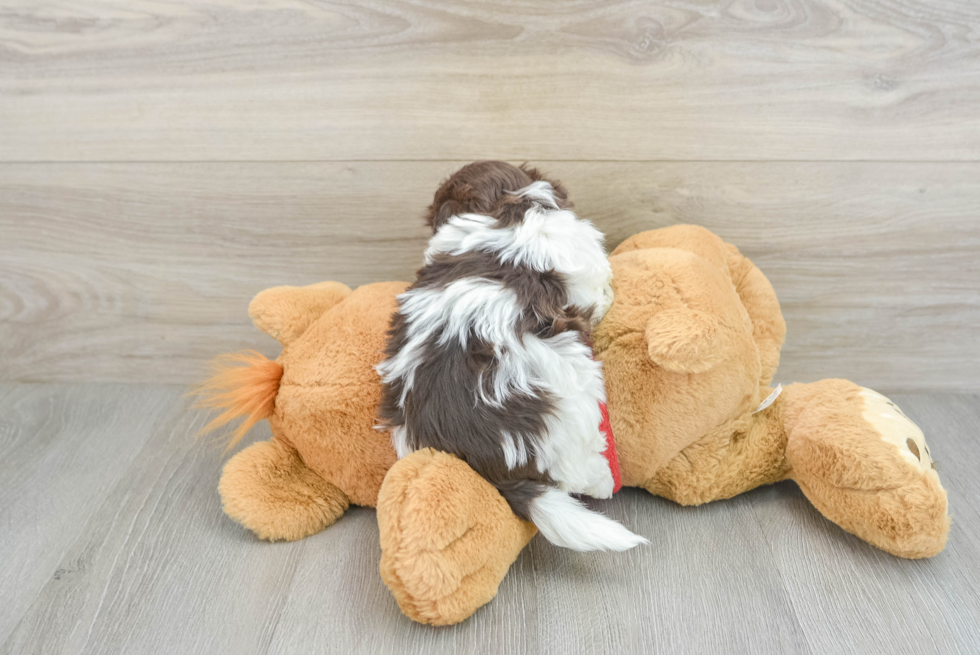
column 770, row 399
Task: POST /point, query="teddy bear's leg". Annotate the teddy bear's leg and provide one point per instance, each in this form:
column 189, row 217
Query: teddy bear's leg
column 447, row 537
column 866, row 467
column 269, row 490
column 284, row 313
column 727, row 462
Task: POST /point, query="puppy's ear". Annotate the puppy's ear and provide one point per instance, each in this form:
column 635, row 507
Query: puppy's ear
column 451, row 198
column 561, row 195
column 440, row 212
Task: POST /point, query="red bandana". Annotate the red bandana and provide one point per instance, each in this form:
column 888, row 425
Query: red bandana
column 605, row 427
column 610, row 452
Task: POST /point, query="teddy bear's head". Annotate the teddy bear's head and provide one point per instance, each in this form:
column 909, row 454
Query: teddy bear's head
column 678, row 350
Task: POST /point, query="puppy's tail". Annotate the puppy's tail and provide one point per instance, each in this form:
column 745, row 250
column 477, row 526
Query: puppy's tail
column 243, row 385
column 564, row 521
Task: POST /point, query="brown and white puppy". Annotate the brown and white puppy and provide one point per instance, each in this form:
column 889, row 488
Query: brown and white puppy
column 488, row 355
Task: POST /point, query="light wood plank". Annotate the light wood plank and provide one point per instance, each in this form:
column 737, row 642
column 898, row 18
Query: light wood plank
column 61, row 451
column 142, row 272
column 557, row 601
column 226, row 80
column 159, row 568
column 7, row 388
column 851, row 597
column 875, row 265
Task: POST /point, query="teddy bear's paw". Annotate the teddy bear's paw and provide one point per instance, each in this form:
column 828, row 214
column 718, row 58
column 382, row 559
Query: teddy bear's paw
column 897, row 429
column 447, row 537
column 268, row 489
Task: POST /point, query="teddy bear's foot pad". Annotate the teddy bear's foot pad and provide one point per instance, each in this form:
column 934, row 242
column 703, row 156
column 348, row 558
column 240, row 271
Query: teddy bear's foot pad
column 897, row 429
column 447, row 537
column 269, row 490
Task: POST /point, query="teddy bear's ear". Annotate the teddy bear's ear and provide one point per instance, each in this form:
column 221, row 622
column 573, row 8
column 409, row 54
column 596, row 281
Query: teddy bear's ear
column 684, row 340
column 284, row 313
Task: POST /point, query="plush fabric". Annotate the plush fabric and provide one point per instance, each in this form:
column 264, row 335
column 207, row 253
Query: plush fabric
column 326, row 452
column 285, row 313
column 689, row 349
column 447, row 537
column 268, row 489
column 329, row 392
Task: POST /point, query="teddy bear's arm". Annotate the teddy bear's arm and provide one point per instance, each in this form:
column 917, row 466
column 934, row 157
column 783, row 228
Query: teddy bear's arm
column 284, row 313
column 685, row 340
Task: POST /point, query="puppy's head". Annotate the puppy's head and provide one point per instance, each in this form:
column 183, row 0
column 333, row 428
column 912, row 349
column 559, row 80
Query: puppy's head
column 489, row 187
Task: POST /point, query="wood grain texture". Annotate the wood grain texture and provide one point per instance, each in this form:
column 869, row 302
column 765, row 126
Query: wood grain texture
column 836, row 581
column 161, row 162
column 629, row 80
column 61, row 450
column 158, row 568
column 142, row 272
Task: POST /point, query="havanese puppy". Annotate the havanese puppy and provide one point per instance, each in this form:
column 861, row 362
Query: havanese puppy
column 488, row 355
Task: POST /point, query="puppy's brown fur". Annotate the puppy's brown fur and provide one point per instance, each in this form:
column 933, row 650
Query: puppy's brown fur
column 483, row 188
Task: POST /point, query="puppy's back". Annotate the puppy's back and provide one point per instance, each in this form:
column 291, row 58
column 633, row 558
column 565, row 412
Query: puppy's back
column 487, row 355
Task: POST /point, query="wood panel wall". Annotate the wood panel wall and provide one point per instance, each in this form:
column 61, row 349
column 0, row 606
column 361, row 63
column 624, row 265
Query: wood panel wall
column 160, row 162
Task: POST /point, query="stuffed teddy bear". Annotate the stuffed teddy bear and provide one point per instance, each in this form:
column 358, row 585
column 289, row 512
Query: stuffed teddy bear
column 689, row 349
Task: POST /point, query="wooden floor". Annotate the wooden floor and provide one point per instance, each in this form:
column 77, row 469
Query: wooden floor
column 113, row 541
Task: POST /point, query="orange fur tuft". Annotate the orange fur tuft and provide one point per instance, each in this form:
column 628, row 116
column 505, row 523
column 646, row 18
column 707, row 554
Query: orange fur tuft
column 242, row 384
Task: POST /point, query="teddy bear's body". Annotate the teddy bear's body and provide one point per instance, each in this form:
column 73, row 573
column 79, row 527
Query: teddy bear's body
column 325, row 453
column 689, row 350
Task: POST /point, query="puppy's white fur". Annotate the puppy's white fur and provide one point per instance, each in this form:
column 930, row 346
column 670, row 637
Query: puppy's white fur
column 566, row 522
column 547, row 239
column 484, row 306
